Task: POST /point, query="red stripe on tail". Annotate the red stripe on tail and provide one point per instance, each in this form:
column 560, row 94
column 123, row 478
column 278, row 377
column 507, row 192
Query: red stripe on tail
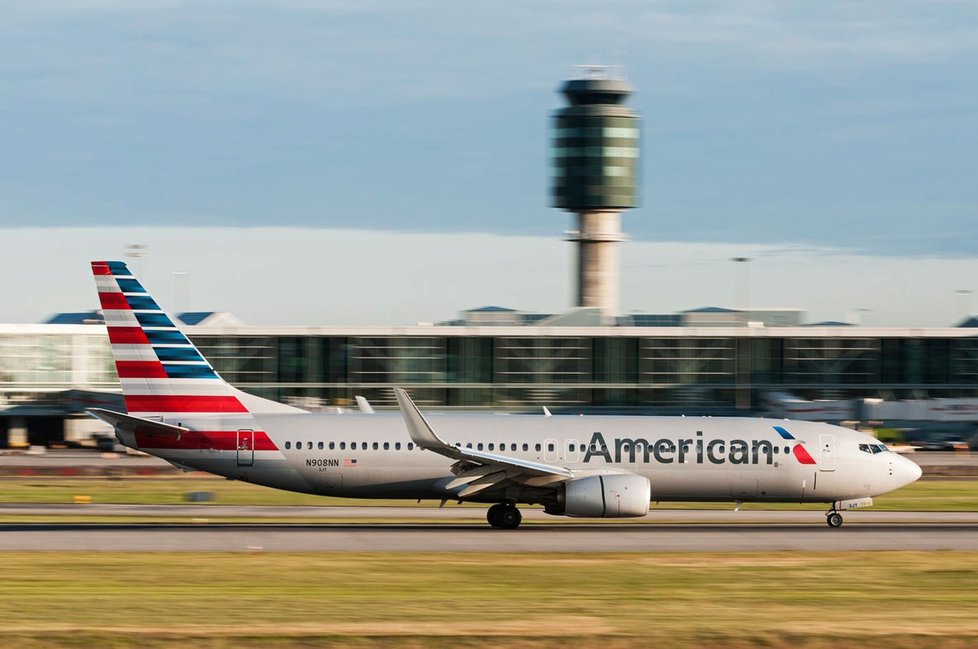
column 100, row 268
column 170, row 403
column 115, row 301
column 127, row 336
column 140, row 370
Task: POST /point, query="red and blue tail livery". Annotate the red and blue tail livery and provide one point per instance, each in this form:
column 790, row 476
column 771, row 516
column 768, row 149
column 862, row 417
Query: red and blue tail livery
column 163, row 375
column 160, row 369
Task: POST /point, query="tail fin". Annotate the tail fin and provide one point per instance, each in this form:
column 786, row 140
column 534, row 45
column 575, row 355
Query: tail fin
column 162, row 373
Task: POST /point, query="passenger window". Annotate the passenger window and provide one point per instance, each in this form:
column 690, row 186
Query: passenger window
column 321, row 446
column 512, row 447
column 537, row 447
column 353, row 446
column 550, row 447
column 410, row 446
column 288, row 445
column 332, row 445
column 387, row 446
column 570, row 448
column 342, row 446
column 468, row 445
column 397, row 446
column 777, row 449
column 786, row 450
column 526, row 447
column 492, row 447
column 479, row 446
column 376, row 446
column 309, row 445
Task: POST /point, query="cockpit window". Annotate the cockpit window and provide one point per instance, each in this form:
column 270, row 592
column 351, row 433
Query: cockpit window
column 873, row 449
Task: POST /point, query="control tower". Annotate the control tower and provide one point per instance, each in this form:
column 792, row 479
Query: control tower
column 595, row 176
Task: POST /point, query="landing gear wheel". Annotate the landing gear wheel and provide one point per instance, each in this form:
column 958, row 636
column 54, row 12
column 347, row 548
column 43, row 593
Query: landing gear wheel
column 834, row 519
column 503, row 516
column 510, row 518
column 494, row 515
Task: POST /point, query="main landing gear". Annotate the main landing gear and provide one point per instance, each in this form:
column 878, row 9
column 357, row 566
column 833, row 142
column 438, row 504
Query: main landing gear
column 833, row 518
column 504, row 516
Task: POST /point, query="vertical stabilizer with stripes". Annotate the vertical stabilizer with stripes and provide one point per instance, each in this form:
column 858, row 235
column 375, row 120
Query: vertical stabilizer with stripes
column 162, row 373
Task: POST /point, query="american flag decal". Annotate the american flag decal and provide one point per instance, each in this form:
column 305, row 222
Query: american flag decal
column 349, row 462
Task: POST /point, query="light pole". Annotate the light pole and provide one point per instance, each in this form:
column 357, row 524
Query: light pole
column 742, row 368
column 137, row 251
column 963, row 301
column 741, row 284
column 181, row 291
column 860, row 314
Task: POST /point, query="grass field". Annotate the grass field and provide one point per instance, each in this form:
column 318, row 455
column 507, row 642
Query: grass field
column 892, row 599
column 924, row 495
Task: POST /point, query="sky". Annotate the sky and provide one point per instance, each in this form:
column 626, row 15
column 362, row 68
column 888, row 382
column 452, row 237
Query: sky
column 833, row 143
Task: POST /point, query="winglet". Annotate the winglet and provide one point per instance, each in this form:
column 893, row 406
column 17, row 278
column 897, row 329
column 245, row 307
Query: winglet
column 419, row 429
column 364, row 405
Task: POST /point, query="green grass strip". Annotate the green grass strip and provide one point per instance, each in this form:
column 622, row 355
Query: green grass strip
column 893, row 599
column 926, row 495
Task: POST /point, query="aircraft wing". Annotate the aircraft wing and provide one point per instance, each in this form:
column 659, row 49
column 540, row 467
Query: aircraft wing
column 136, row 424
column 476, row 469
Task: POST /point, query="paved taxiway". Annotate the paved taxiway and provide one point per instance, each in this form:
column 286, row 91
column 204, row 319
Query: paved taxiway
column 663, row 530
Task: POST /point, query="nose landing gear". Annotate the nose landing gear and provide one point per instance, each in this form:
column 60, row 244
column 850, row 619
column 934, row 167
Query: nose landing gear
column 504, row 516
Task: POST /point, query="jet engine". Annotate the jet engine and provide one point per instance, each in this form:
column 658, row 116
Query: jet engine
column 603, row 496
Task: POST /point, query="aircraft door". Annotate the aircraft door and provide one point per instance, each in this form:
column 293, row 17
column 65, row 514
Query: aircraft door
column 550, row 450
column 572, row 450
column 826, row 452
column 246, row 447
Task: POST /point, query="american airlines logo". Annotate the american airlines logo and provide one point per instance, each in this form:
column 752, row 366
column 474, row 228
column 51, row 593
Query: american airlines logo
column 694, row 450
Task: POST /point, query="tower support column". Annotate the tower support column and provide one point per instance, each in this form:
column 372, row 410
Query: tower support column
column 598, row 232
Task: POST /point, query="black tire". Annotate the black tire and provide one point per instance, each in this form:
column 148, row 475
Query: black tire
column 834, row 519
column 493, row 516
column 510, row 518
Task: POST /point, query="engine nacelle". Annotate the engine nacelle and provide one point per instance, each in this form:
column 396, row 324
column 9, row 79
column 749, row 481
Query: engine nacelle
column 604, row 496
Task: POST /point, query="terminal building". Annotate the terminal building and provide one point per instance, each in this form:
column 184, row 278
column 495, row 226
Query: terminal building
column 49, row 373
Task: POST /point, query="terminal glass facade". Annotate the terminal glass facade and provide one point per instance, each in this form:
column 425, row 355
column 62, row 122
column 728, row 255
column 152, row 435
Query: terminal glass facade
column 632, row 369
column 640, row 372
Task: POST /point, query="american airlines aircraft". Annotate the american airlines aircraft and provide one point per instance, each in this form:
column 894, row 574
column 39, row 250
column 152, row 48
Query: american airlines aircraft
column 612, row 467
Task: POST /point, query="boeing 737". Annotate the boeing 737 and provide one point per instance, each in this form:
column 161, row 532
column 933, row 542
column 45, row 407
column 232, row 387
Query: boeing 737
column 180, row 409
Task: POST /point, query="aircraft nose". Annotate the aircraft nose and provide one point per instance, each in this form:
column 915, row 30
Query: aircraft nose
column 906, row 471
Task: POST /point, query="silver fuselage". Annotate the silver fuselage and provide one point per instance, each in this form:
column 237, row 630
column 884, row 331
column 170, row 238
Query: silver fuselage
column 684, row 458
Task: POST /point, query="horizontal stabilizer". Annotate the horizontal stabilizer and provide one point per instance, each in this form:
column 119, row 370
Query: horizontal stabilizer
column 136, row 424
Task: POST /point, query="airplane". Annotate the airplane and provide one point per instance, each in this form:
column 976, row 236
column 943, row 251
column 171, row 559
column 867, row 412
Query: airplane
column 181, row 410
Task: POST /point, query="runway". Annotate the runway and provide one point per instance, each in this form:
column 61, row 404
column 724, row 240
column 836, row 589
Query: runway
column 462, row 531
